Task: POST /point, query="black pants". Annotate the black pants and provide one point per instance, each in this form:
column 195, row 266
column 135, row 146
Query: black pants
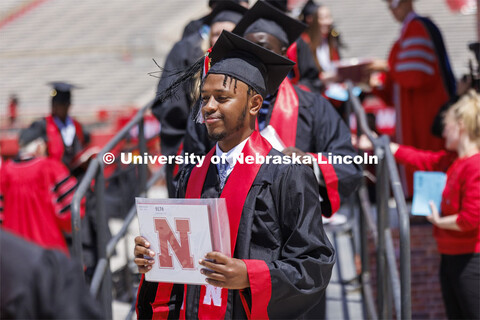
column 460, row 280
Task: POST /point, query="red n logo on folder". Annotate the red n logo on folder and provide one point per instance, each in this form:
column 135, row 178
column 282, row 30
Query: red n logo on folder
column 180, row 246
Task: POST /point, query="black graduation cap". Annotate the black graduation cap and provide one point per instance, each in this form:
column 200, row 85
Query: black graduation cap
column 32, row 133
column 263, row 17
column 61, row 91
column 280, row 4
column 214, row 2
column 248, row 62
column 309, row 9
column 225, row 11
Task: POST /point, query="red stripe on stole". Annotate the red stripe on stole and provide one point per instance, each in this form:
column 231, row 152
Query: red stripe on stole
column 331, row 182
column 54, row 140
column 285, row 113
column 235, row 192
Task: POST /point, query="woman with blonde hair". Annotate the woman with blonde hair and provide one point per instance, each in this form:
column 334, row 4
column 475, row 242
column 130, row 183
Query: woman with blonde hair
column 457, row 223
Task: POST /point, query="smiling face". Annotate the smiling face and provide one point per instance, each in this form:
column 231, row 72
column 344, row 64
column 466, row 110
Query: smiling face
column 229, row 109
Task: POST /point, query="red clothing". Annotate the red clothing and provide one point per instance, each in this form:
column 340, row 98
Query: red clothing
column 415, row 68
column 36, row 200
column 55, row 144
column 420, row 81
column 461, row 196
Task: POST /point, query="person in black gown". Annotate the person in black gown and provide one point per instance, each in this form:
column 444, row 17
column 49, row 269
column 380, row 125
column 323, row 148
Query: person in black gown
column 282, row 259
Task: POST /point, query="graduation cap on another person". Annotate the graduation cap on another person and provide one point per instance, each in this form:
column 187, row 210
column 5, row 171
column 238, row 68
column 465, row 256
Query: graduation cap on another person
column 225, row 11
column 238, row 58
column 61, row 92
column 279, row 4
column 308, row 9
column 263, row 17
column 215, row 2
column 248, row 62
column 32, row 133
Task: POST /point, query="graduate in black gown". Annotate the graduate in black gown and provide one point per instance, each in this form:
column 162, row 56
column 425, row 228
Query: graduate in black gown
column 282, row 259
column 173, row 113
column 66, row 137
column 305, row 121
column 41, row 284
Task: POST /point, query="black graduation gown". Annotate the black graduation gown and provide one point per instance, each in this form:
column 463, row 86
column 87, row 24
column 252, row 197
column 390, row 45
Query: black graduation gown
column 281, row 224
column 193, row 26
column 173, row 113
column 308, row 71
column 41, row 284
column 319, row 129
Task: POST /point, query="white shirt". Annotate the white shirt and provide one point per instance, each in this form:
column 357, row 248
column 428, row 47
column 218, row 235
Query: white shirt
column 67, row 130
column 323, row 57
column 231, row 155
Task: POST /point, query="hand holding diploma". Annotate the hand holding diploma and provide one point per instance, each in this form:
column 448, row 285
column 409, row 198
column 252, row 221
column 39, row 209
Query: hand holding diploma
column 141, row 251
column 220, row 270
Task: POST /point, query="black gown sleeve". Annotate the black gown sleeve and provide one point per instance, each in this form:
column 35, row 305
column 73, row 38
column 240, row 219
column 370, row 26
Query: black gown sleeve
column 333, row 137
column 42, row 284
column 300, row 275
column 309, row 74
column 173, row 113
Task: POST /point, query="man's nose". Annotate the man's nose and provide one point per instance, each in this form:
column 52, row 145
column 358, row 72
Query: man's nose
column 210, row 106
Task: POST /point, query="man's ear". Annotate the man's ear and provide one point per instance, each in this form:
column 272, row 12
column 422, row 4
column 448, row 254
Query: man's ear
column 255, row 103
column 284, row 51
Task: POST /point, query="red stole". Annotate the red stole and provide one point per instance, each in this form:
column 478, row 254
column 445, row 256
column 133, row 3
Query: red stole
column 285, row 113
column 55, row 145
column 292, row 54
column 235, row 192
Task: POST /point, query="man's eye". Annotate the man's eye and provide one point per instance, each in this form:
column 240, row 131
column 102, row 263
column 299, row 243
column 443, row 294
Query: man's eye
column 222, row 98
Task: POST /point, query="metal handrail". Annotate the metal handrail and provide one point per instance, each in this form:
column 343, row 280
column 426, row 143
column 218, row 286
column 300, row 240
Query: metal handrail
column 400, row 287
column 90, row 175
column 103, row 263
column 95, row 171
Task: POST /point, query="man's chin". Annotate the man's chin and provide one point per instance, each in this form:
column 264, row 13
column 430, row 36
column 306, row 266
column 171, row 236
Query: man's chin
column 216, row 136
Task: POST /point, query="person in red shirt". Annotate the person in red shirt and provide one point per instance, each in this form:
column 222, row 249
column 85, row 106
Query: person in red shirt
column 457, row 225
column 37, row 192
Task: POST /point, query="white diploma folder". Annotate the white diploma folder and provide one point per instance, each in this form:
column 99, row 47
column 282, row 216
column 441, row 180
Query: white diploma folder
column 180, row 232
